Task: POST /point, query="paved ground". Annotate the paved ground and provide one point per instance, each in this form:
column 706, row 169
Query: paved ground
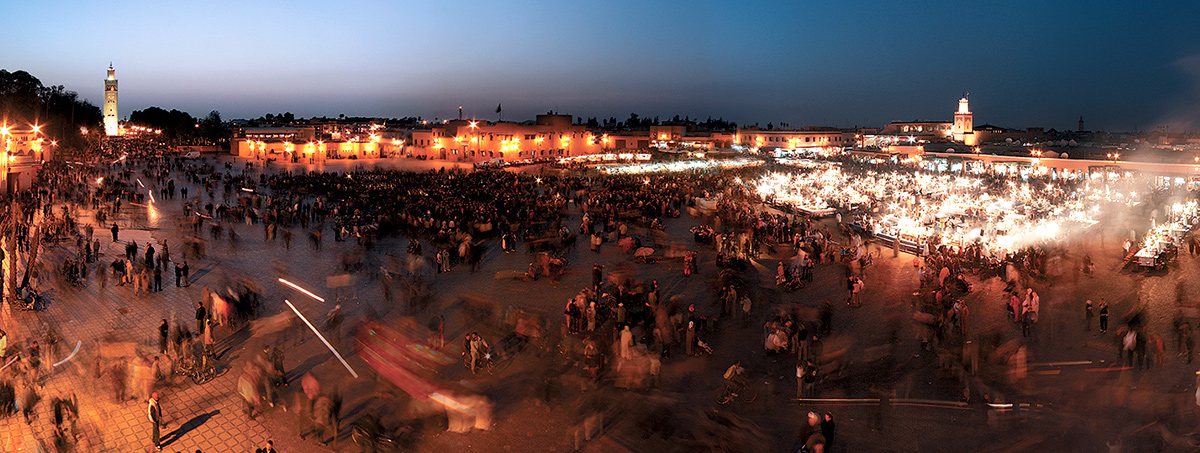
column 1082, row 403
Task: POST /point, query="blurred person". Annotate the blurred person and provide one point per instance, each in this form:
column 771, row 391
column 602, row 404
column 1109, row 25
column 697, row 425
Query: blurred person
column 735, row 378
column 828, row 429
column 1087, row 316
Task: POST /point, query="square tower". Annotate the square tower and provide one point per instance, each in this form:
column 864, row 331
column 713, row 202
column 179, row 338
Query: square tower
column 111, row 127
column 963, row 129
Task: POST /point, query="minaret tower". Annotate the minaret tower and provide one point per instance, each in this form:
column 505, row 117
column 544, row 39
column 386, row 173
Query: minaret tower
column 110, row 103
column 964, row 127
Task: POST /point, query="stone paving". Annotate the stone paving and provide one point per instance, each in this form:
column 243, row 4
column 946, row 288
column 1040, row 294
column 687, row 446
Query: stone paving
column 208, row 417
column 205, row 417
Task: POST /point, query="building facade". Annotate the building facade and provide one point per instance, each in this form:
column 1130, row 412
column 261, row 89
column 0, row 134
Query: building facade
column 21, row 156
column 550, row 135
column 783, row 139
column 111, row 125
column 909, row 133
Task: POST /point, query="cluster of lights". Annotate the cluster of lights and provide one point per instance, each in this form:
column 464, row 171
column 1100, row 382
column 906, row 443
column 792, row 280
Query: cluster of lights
column 32, row 137
column 606, row 157
column 679, row 166
column 958, row 210
column 139, row 129
column 1180, row 220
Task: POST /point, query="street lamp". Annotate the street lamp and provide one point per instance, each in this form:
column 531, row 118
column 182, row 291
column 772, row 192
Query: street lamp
column 475, row 130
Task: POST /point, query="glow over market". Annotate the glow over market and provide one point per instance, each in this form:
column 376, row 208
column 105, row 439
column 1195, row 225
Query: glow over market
column 919, row 205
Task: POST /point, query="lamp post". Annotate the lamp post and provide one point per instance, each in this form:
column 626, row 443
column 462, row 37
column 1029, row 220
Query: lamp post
column 478, row 141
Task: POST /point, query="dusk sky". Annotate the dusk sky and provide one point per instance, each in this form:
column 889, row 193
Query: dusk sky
column 1026, row 63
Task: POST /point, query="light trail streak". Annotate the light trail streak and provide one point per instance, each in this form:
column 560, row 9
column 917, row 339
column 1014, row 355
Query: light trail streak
column 78, row 343
column 305, row 291
column 450, row 402
column 894, row 402
column 323, row 340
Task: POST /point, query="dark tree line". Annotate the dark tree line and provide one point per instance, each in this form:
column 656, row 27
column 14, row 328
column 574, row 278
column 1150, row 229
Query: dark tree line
column 181, row 128
column 271, row 119
column 637, row 123
column 60, row 112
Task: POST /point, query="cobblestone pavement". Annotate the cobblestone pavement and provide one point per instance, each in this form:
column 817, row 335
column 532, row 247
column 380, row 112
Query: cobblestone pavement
column 1087, row 399
column 206, row 417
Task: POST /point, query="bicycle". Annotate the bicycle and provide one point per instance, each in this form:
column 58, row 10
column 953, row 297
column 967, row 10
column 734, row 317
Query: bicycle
column 745, row 392
column 486, row 362
column 199, row 373
column 866, row 259
column 370, row 435
column 30, row 299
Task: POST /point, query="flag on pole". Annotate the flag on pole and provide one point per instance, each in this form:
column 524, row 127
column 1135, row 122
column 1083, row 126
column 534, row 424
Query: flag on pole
column 497, row 108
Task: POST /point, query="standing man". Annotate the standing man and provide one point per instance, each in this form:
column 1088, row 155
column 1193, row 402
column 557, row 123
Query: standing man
column 149, row 254
column 163, row 330
column 1103, row 315
column 178, row 273
column 155, row 415
column 201, row 313
column 115, row 229
column 186, row 279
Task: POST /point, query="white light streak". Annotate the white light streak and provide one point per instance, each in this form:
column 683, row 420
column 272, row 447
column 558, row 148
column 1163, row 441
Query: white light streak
column 78, row 343
column 305, row 291
column 10, row 361
column 323, row 340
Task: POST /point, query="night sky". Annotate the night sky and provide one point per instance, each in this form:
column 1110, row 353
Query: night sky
column 1120, row 65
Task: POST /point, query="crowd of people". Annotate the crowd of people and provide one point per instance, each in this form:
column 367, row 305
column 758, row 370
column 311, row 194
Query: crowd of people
column 619, row 330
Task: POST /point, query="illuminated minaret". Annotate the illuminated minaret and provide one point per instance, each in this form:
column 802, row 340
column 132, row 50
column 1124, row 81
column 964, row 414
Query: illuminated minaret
column 964, row 128
column 110, row 103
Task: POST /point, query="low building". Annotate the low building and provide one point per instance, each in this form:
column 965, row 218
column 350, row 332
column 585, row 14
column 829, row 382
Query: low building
column 988, row 133
column 776, row 139
column 21, row 157
column 316, row 151
column 549, row 136
column 919, row 131
column 290, row 134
